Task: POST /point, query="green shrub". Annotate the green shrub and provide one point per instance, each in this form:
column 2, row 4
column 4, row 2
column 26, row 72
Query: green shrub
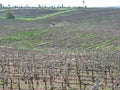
column 10, row 13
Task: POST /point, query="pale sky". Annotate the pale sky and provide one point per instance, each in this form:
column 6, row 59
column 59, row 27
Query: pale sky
column 88, row 3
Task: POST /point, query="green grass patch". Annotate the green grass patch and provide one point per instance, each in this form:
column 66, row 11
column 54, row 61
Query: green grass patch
column 47, row 16
column 24, row 35
column 30, row 40
column 2, row 16
column 85, row 36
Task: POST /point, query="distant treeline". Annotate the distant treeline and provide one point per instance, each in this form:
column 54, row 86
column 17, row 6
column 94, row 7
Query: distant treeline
column 27, row 6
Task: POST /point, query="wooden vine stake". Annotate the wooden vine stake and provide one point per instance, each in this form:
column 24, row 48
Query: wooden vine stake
column 117, row 83
column 96, row 85
column 5, row 80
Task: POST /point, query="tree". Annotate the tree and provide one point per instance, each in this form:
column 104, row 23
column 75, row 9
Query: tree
column 39, row 6
column 8, row 5
column 62, row 6
column 1, row 6
column 83, row 3
column 10, row 13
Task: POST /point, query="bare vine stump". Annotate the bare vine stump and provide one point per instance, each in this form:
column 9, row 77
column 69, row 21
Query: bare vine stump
column 5, row 80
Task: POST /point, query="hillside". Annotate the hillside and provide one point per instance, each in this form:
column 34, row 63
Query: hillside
column 60, row 49
column 74, row 28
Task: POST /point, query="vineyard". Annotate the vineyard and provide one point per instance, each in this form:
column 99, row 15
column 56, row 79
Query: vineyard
column 73, row 70
column 79, row 51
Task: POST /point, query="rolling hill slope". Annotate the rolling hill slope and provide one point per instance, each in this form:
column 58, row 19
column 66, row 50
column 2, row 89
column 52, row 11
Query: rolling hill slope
column 84, row 29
